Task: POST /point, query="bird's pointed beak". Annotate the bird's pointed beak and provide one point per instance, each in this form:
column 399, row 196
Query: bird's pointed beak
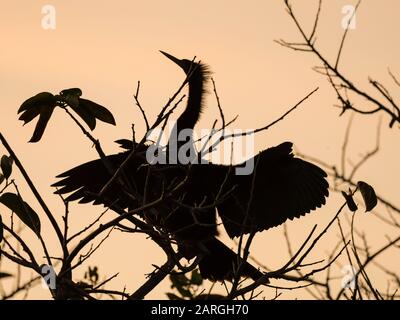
column 171, row 57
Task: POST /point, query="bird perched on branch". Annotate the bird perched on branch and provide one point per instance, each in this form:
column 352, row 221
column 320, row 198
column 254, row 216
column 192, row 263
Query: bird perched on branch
column 280, row 187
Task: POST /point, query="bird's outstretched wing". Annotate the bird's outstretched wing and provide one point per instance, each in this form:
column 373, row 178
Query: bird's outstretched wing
column 85, row 182
column 281, row 187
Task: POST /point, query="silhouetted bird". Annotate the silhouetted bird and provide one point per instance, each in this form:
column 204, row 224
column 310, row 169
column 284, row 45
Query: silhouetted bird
column 281, row 187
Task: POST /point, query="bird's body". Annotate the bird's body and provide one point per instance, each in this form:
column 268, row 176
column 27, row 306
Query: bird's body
column 281, row 187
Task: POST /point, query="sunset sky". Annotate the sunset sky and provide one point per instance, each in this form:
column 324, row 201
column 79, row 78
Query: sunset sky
column 106, row 47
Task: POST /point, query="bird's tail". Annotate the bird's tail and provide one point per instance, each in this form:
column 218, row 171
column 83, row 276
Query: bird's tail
column 221, row 263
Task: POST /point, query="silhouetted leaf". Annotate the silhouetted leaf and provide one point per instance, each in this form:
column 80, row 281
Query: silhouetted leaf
column 5, row 275
column 98, row 111
column 44, row 118
column 368, row 194
column 1, row 178
column 180, row 282
column 41, row 105
column 72, row 92
column 29, row 115
column 125, row 143
column 41, row 99
column 71, row 97
column 6, row 166
column 196, row 278
column 72, row 101
column 1, row 229
column 350, row 201
column 22, row 210
column 86, row 116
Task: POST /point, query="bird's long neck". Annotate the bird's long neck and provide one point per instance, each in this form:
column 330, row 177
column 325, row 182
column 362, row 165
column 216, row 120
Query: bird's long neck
column 182, row 135
column 191, row 115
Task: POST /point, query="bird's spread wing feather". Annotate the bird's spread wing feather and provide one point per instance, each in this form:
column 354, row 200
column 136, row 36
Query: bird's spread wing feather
column 281, row 187
column 85, row 182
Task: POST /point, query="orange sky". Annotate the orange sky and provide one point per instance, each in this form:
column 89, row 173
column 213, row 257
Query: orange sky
column 105, row 47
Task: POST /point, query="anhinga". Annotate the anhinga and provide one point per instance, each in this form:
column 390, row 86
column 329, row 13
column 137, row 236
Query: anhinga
column 281, row 187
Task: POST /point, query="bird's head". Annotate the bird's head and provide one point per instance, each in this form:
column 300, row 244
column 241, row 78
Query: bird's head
column 187, row 65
